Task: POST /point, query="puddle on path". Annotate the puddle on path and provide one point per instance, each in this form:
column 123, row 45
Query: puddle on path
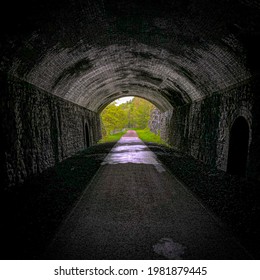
column 169, row 249
column 132, row 150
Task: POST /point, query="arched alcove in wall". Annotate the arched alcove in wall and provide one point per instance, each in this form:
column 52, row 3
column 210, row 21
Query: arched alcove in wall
column 238, row 147
column 87, row 136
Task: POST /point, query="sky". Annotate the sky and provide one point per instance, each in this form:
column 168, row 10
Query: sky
column 123, row 100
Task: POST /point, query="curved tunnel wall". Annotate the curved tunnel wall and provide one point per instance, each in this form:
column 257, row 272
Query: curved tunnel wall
column 197, row 61
column 201, row 129
column 39, row 129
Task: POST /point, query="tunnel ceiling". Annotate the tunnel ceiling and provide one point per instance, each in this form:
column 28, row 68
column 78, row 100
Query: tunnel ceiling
column 92, row 52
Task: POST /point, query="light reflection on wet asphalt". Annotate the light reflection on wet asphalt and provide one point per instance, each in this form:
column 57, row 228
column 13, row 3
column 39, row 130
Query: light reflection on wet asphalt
column 132, row 150
column 131, row 211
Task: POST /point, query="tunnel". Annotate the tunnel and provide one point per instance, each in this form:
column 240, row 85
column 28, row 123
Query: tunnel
column 198, row 70
column 63, row 62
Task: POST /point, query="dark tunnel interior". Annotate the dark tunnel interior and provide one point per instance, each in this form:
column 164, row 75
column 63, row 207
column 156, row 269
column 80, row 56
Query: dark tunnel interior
column 197, row 61
column 238, row 147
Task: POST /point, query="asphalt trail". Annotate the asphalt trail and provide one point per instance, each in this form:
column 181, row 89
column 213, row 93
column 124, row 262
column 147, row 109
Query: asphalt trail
column 135, row 209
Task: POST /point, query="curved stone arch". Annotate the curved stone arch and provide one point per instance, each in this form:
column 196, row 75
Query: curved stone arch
column 152, row 96
column 87, row 87
column 224, row 135
column 238, row 149
column 180, row 54
column 134, row 94
column 244, row 112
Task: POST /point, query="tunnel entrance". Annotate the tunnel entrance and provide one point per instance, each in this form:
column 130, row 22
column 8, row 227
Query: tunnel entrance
column 87, row 139
column 238, row 147
column 131, row 113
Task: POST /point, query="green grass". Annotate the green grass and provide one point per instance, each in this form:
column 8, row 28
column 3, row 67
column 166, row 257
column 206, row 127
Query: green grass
column 112, row 138
column 144, row 134
column 147, row 136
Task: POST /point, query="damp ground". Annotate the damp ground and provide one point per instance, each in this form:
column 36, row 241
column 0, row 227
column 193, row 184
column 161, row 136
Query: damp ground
column 34, row 211
column 235, row 200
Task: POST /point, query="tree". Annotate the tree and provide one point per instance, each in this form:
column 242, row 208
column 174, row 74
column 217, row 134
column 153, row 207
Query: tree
column 113, row 118
column 132, row 114
column 142, row 110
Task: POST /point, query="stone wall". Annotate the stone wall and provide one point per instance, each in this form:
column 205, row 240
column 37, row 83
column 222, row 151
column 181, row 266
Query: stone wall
column 254, row 151
column 154, row 121
column 159, row 123
column 39, row 130
column 201, row 129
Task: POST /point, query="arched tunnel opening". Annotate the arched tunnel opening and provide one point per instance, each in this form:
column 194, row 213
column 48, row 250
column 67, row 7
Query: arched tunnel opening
column 238, row 147
column 130, row 113
column 63, row 62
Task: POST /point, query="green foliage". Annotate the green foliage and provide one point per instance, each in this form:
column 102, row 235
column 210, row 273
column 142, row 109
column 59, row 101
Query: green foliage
column 132, row 114
column 140, row 114
column 147, row 136
column 112, row 138
column 114, row 119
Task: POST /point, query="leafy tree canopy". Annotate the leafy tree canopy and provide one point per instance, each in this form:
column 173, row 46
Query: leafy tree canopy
column 132, row 114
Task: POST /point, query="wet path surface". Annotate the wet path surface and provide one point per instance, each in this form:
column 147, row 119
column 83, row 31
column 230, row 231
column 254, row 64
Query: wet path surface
column 135, row 209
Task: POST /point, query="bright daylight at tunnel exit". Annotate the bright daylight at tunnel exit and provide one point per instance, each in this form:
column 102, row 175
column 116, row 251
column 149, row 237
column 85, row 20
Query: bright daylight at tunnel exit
column 130, row 130
column 131, row 113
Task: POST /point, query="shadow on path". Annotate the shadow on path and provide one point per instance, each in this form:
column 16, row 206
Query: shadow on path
column 135, row 209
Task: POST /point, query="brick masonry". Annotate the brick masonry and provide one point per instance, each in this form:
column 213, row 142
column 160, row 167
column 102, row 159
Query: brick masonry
column 202, row 129
column 39, row 129
column 195, row 60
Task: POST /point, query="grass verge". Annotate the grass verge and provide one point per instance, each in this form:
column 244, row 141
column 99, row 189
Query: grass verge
column 111, row 138
column 144, row 134
column 147, row 136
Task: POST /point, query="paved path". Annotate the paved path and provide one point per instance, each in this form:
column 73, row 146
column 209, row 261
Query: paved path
column 135, row 209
